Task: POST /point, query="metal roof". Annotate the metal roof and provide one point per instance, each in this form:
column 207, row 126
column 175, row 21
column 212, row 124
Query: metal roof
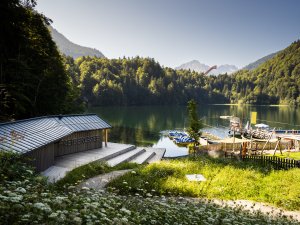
column 25, row 135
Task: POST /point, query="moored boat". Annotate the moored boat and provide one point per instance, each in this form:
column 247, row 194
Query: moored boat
column 176, row 134
column 183, row 140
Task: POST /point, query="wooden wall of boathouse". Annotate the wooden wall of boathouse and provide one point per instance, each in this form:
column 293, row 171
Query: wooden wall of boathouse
column 78, row 142
column 42, row 158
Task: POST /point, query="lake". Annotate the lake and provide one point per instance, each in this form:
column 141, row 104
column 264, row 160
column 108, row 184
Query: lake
column 142, row 125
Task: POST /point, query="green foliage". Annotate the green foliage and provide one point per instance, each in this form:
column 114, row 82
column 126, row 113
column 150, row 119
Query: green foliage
column 92, row 169
column 29, row 200
column 226, row 179
column 13, row 167
column 142, row 81
column 194, row 123
column 33, row 79
column 139, row 81
column 277, row 81
column 81, row 173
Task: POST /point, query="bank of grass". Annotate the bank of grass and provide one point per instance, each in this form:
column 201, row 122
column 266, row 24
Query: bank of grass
column 25, row 198
column 226, row 179
column 92, row 169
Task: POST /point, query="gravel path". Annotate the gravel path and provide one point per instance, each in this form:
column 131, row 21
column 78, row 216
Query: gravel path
column 99, row 182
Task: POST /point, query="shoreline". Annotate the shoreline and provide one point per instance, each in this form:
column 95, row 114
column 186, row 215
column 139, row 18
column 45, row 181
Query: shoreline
column 237, row 104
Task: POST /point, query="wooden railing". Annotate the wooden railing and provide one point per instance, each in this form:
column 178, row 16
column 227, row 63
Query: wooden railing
column 275, row 162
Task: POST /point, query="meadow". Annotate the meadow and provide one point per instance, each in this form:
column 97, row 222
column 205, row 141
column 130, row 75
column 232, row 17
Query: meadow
column 227, row 179
column 27, row 198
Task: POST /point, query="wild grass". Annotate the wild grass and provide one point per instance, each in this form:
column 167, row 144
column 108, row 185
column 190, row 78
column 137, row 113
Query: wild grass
column 92, row 169
column 27, row 199
column 226, row 179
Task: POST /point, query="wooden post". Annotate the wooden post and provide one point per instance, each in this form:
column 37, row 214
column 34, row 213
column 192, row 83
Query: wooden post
column 233, row 141
column 106, row 137
column 276, row 147
column 269, row 138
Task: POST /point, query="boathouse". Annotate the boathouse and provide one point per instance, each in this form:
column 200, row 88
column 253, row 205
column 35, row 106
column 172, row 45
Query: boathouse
column 43, row 139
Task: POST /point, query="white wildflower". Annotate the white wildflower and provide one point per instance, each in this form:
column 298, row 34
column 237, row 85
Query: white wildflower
column 53, row 215
column 21, row 190
column 125, row 220
column 42, row 206
column 77, row 220
column 16, row 198
column 125, row 211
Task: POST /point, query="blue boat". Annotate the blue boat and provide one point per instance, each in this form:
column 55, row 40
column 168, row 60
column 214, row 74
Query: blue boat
column 183, row 140
column 176, row 134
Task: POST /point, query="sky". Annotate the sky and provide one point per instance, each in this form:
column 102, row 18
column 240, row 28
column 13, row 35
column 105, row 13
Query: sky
column 173, row 32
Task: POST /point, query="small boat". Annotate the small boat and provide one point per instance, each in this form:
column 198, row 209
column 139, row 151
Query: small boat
column 176, row 133
column 183, row 140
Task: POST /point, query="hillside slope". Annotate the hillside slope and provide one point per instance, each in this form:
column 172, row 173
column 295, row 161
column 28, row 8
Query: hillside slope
column 260, row 61
column 71, row 49
column 276, row 81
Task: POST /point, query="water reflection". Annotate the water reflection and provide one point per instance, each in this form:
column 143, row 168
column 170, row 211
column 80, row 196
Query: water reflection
column 141, row 125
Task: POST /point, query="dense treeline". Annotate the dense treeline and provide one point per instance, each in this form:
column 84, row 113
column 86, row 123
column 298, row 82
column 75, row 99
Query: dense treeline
column 33, row 78
column 142, row 81
column 138, row 81
column 277, row 81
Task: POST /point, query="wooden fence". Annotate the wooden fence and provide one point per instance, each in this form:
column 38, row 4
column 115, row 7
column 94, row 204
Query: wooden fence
column 275, row 162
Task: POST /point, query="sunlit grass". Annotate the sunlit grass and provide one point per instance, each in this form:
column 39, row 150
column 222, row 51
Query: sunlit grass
column 25, row 198
column 92, row 169
column 226, row 179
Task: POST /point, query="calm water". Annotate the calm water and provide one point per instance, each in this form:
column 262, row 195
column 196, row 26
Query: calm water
column 142, row 125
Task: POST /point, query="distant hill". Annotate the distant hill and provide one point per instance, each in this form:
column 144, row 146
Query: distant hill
column 276, row 81
column 257, row 63
column 195, row 65
column 71, row 49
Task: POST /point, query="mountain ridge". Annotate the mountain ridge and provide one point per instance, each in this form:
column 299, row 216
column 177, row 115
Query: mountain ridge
column 199, row 67
column 257, row 63
column 69, row 48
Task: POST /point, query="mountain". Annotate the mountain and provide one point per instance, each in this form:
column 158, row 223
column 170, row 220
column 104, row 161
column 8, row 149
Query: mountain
column 276, row 81
column 257, row 63
column 194, row 65
column 71, row 49
column 202, row 68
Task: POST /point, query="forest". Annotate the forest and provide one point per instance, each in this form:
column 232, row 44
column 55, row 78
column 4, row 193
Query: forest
column 33, row 78
column 36, row 79
column 137, row 81
column 143, row 81
column 277, row 81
